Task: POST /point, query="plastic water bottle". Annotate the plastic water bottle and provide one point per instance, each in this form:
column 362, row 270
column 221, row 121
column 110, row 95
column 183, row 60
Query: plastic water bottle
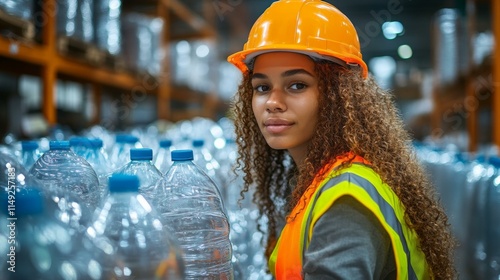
column 248, row 254
column 493, row 223
column 207, row 162
column 141, row 165
column 475, row 247
column 13, row 173
column 70, row 182
column 80, row 145
column 39, row 245
column 29, row 153
column 191, row 206
column 162, row 159
column 128, row 234
column 98, row 159
column 232, row 183
column 61, row 169
column 120, row 153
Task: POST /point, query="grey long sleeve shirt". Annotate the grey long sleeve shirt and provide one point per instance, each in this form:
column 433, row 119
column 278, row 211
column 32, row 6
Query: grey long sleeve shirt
column 349, row 242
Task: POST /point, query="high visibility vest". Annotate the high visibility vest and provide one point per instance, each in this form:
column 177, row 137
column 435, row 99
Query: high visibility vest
column 366, row 186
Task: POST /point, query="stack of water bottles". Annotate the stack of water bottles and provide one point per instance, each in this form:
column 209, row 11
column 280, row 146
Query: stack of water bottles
column 114, row 197
column 40, row 246
column 469, row 189
column 127, row 234
column 141, row 165
column 191, row 206
column 69, row 181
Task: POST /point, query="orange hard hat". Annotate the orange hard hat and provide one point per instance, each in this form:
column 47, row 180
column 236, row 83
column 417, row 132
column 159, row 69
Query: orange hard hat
column 311, row 27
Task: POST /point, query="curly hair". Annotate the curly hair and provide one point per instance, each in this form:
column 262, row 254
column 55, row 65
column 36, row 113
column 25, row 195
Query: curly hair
column 355, row 115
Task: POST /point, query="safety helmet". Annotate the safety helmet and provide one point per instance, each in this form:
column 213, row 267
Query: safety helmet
column 311, row 27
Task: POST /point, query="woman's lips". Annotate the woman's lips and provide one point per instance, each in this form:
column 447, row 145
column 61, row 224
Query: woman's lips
column 277, row 125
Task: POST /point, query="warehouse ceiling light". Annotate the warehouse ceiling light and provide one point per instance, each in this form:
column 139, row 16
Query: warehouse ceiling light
column 392, row 29
column 183, row 47
column 202, row 51
column 383, row 68
column 405, row 51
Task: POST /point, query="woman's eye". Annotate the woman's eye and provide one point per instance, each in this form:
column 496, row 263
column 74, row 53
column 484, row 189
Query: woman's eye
column 261, row 88
column 298, row 86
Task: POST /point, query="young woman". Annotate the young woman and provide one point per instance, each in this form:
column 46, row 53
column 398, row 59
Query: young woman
column 332, row 166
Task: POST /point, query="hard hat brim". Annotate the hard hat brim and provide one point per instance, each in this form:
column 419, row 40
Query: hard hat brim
column 243, row 59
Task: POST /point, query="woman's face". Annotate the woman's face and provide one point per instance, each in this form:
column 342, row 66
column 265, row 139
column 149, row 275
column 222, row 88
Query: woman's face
column 285, row 100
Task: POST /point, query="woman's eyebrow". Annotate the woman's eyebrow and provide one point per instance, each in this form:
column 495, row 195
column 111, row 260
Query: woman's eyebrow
column 295, row 71
column 258, row 76
column 284, row 74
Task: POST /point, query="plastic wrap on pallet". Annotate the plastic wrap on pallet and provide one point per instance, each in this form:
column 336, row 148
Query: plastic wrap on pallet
column 469, row 190
column 107, row 24
column 191, row 63
column 450, row 48
column 227, row 86
column 493, row 219
column 476, row 227
column 141, row 42
column 20, row 8
column 75, row 19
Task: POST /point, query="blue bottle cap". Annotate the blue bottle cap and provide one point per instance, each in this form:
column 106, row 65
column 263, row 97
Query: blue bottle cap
column 28, row 201
column 123, row 183
column 29, row 145
column 121, row 138
column 87, row 143
column 495, row 161
column 181, row 155
column 481, row 158
column 80, row 141
column 461, row 157
column 96, row 143
column 59, row 145
column 75, row 141
column 198, row 143
column 141, row 154
column 165, row 143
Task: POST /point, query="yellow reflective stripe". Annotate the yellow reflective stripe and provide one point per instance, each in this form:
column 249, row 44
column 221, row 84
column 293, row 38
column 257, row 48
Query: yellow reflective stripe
column 417, row 260
column 340, row 187
column 382, row 202
column 274, row 256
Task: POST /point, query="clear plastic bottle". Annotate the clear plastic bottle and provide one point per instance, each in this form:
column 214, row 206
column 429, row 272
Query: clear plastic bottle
column 191, row 206
column 207, row 162
column 39, row 245
column 162, row 159
column 248, row 253
column 141, row 165
column 128, row 234
column 232, row 183
column 80, row 145
column 29, row 153
column 13, row 172
column 474, row 210
column 120, row 152
column 67, row 177
column 492, row 221
column 99, row 161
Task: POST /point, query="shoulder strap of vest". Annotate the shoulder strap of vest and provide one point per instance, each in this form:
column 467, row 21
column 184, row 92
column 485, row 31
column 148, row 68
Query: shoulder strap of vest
column 362, row 183
column 285, row 261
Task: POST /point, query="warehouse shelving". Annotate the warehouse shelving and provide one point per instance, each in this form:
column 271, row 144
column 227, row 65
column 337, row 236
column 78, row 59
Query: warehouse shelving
column 476, row 90
column 26, row 56
column 496, row 72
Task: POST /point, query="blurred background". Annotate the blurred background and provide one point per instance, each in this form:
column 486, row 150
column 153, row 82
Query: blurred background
column 119, row 63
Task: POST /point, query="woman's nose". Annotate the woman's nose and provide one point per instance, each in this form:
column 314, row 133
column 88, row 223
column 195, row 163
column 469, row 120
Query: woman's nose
column 276, row 101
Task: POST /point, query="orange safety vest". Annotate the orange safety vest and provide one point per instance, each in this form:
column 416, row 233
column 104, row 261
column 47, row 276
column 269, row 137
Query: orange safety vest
column 285, row 262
